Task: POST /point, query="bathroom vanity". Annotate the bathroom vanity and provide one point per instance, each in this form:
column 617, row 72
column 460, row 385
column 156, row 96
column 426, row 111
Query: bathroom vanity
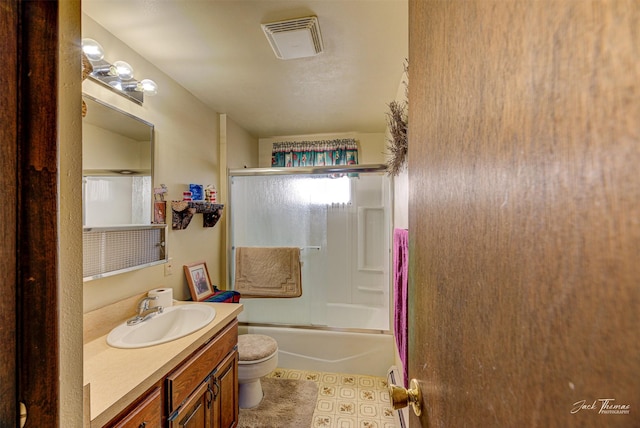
column 191, row 381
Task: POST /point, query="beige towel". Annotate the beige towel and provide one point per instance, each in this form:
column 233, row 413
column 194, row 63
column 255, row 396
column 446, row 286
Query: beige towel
column 268, row 272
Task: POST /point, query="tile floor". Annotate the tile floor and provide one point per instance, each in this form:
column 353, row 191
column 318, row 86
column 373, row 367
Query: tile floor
column 347, row 400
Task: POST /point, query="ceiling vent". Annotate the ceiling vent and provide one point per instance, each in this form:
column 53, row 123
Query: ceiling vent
column 294, row 38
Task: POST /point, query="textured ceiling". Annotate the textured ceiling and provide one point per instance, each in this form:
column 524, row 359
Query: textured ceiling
column 217, row 50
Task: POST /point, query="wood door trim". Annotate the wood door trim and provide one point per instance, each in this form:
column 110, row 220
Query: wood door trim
column 8, row 212
column 37, row 231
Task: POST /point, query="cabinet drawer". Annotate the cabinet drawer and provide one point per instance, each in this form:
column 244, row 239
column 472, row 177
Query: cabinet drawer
column 183, row 381
column 147, row 414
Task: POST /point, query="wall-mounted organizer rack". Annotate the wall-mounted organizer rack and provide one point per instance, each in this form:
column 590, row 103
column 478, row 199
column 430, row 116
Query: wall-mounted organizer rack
column 182, row 212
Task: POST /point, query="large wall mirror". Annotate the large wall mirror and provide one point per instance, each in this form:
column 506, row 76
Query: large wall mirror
column 117, row 164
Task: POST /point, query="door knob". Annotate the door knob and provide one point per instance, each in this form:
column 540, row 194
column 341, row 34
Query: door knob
column 402, row 397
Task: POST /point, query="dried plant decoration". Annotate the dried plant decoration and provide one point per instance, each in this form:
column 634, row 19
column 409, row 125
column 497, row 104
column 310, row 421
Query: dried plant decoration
column 87, row 69
column 397, row 121
column 397, row 144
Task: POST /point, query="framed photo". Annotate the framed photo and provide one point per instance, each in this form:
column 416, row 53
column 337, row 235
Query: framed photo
column 199, row 282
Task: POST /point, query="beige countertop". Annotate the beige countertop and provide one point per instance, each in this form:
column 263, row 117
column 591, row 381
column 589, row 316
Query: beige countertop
column 116, row 376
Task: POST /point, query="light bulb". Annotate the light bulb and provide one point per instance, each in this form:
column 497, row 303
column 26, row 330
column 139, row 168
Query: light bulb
column 92, row 49
column 124, row 70
column 149, row 87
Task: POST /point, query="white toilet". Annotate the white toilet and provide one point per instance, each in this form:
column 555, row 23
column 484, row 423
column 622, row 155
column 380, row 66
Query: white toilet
column 258, row 356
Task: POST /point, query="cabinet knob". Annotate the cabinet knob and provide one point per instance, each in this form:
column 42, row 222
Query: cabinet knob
column 142, row 425
column 402, row 397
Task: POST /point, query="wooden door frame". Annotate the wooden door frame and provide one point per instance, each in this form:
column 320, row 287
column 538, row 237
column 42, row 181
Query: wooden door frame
column 8, row 212
column 29, row 309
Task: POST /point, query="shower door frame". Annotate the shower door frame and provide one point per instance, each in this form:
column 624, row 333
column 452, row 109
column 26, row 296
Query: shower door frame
column 308, row 170
column 311, row 170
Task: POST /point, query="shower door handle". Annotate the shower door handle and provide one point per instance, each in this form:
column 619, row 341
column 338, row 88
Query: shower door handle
column 311, row 247
column 402, row 397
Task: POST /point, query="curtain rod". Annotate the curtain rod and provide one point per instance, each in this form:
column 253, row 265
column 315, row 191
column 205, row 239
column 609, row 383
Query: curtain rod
column 309, row 170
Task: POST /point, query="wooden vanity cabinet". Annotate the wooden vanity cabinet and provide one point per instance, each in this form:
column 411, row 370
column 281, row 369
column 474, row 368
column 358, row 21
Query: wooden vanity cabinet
column 203, row 391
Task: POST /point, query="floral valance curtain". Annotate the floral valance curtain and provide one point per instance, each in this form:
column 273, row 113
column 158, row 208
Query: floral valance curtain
column 315, row 153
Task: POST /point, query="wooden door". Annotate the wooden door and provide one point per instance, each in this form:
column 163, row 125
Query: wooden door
column 524, row 218
column 9, row 35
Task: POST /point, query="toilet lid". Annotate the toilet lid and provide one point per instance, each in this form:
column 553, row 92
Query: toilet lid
column 253, row 347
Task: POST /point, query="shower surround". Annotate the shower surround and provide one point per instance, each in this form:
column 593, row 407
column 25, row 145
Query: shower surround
column 341, row 220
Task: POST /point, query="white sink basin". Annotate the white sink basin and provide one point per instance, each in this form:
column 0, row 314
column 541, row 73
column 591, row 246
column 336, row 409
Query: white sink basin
column 174, row 323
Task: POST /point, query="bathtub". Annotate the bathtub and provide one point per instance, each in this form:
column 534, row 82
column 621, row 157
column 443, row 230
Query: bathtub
column 329, row 350
column 288, row 312
column 345, row 315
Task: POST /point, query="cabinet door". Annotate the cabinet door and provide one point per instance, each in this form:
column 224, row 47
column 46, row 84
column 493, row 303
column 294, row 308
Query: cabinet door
column 147, row 414
column 224, row 411
column 189, row 375
column 195, row 412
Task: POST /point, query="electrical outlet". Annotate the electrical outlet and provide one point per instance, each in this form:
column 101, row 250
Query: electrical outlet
column 168, row 268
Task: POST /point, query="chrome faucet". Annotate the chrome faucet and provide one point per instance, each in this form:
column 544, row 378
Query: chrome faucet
column 144, row 311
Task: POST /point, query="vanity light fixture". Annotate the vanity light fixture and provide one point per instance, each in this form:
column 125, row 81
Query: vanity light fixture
column 117, row 76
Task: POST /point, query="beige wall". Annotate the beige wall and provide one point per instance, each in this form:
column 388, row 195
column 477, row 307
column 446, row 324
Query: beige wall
column 238, row 149
column 69, row 217
column 186, row 151
column 242, row 147
column 120, row 153
column 371, row 145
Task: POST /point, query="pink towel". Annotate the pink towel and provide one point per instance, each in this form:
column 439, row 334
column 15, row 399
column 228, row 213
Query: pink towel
column 400, row 290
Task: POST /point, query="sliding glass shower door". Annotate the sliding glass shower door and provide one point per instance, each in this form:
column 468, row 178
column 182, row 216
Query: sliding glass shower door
column 341, row 224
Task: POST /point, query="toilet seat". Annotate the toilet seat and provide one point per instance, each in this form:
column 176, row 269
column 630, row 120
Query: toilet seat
column 255, row 348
